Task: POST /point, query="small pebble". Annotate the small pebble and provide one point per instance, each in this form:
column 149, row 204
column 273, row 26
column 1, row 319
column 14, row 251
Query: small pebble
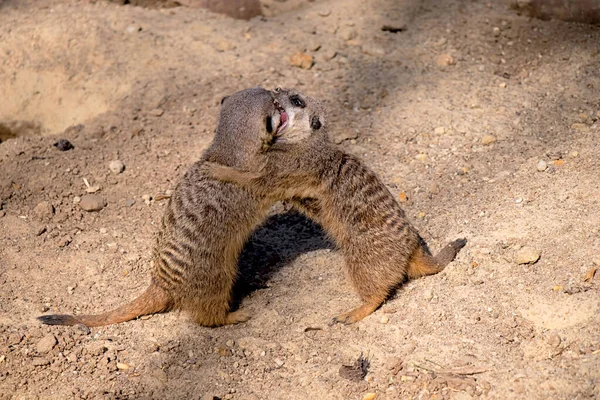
column 46, row 344
column 428, row 295
column 133, row 29
column 369, row 396
column 129, row 202
column 44, row 210
column 444, row 60
column 527, row 255
column 64, row 145
column 373, row 50
column 488, row 139
column 279, row 362
column 103, row 231
column 123, row 366
column 440, row 130
column 76, row 200
column 157, row 112
column 347, row 33
column 542, row 165
column 302, row 60
column 502, row 85
column 385, row 319
column 92, row 202
column 2, row 213
column 116, row 166
column 421, row 157
column 496, row 31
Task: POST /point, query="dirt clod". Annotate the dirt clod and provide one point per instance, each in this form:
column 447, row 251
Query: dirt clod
column 92, row 202
column 46, row 344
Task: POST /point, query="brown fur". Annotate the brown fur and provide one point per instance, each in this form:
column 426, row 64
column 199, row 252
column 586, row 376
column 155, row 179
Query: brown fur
column 355, row 208
column 204, row 227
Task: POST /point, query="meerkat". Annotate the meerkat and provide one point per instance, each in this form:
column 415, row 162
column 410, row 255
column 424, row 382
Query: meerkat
column 205, row 225
column 380, row 247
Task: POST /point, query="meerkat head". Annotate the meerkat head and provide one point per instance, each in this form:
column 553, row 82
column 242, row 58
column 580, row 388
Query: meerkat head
column 299, row 117
column 248, row 120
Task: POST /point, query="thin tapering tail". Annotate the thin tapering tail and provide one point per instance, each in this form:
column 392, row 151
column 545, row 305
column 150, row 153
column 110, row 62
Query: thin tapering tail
column 449, row 252
column 153, row 300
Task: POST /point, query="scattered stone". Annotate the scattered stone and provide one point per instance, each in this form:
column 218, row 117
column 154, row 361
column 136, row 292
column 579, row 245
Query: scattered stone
column 76, row 200
column 224, row 45
column 325, row 13
column 574, row 154
column 440, row 130
column 123, row 366
column 2, row 213
column 347, row 33
column 64, row 145
column 40, row 361
column 445, row 60
column 385, row 319
column 496, row 31
column 129, row 202
column 147, row 199
column 370, row 396
column 488, row 139
column 46, row 344
column 373, row 50
column 527, row 255
column 64, row 241
column 502, row 85
column 302, row 60
column 345, row 134
column 116, row 167
column 421, row 157
column 92, row 202
column 579, row 126
column 392, row 363
column 542, row 165
column 402, row 197
column 428, row 295
column 279, row 362
column 157, row 112
column 44, row 210
column 133, row 29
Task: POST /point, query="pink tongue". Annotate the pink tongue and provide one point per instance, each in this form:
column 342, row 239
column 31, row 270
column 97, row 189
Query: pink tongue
column 284, row 118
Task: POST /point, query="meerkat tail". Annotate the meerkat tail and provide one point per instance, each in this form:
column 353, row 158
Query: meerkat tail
column 449, row 252
column 153, row 300
column 422, row 263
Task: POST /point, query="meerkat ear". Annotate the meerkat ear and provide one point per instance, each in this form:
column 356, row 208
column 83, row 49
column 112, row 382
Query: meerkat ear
column 223, row 99
column 315, row 123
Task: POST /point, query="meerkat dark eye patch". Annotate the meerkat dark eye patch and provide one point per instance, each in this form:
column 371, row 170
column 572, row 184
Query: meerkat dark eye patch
column 269, row 125
column 223, row 99
column 297, row 101
column 315, row 123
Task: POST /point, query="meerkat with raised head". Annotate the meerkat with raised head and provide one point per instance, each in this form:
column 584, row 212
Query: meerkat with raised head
column 205, row 225
column 380, row 247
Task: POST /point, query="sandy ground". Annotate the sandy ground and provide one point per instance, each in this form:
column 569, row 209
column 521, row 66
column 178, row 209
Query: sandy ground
column 484, row 122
